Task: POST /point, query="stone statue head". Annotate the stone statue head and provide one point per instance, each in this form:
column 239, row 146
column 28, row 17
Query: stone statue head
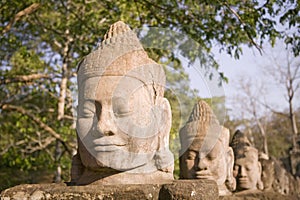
column 247, row 168
column 268, row 171
column 239, row 139
column 205, row 151
column 123, row 118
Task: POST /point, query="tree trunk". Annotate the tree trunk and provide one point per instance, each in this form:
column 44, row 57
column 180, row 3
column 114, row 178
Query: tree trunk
column 292, row 117
column 266, row 151
column 64, row 80
column 58, row 154
column 62, row 94
column 293, row 123
column 61, row 104
column 63, row 85
column 263, row 133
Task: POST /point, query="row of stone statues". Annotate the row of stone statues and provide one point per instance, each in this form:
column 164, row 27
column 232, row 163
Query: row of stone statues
column 206, row 154
column 124, row 122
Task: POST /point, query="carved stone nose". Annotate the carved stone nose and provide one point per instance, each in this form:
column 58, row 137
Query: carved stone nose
column 106, row 124
column 243, row 172
column 202, row 165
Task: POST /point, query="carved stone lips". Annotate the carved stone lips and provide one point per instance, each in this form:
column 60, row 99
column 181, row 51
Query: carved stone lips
column 108, row 143
column 204, row 174
column 243, row 180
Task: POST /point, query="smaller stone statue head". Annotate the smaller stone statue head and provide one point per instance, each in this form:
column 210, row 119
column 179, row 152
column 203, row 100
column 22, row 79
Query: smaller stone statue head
column 205, row 151
column 268, row 171
column 247, row 168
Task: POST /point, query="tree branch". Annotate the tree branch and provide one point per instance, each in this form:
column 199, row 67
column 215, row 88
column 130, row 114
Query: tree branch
column 41, row 146
column 272, row 110
column 243, row 24
column 23, row 78
column 155, row 5
column 11, row 145
column 39, row 122
column 30, row 9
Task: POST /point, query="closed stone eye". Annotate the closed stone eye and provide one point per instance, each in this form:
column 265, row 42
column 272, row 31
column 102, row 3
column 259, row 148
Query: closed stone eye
column 87, row 110
column 120, row 107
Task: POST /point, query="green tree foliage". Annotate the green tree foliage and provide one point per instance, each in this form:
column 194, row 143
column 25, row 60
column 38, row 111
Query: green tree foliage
column 182, row 100
column 278, row 131
column 288, row 13
column 28, row 123
column 280, row 136
column 41, row 42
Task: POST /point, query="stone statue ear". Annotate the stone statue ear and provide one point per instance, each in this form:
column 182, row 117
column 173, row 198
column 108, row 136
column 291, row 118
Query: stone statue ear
column 230, row 180
column 164, row 159
column 259, row 184
column 166, row 118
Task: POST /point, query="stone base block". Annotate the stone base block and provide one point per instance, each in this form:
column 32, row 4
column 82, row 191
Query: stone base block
column 178, row 189
column 259, row 195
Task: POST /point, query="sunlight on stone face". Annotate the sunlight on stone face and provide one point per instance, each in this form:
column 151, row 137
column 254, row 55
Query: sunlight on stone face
column 247, row 173
column 211, row 166
column 118, row 123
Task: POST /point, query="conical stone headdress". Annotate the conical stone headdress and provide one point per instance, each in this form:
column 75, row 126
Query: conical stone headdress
column 242, row 147
column 119, row 41
column 202, row 130
column 121, row 54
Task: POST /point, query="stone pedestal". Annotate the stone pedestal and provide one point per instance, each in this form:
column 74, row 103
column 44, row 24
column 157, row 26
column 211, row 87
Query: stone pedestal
column 260, row 195
column 179, row 189
column 190, row 189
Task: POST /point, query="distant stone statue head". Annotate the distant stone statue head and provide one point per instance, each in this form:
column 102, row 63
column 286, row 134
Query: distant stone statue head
column 205, row 151
column 123, row 118
column 247, row 168
column 268, row 171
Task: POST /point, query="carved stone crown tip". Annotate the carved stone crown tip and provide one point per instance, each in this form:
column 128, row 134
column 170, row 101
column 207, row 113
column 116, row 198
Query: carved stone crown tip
column 116, row 29
column 202, row 112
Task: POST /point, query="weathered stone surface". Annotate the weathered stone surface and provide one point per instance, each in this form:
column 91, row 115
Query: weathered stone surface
column 259, row 196
column 284, row 182
column 268, row 173
column 239, row 139
column 205, row 151
column 295, row 158
column 247, row 168
column 123, row 120
column 179, row 189
column 61, row 191
column 190, row 189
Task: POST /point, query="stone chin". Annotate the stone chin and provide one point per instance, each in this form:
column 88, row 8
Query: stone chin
column 123, row 160
column 245, row 185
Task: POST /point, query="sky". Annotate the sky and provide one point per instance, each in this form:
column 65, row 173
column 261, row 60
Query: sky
column 251, row 65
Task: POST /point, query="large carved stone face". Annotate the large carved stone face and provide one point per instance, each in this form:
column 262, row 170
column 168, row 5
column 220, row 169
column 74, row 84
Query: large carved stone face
column 247, row 172
column 199, row 165
column 119, row 125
